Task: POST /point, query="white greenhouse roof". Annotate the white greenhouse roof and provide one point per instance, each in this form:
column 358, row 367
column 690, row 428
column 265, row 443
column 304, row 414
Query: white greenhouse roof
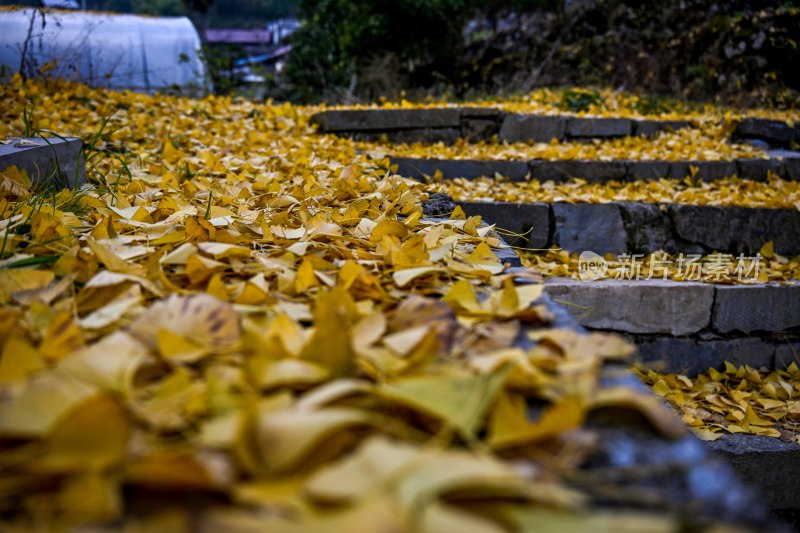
column 116, row 51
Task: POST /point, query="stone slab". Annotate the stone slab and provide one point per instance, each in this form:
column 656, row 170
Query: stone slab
column 648, row 227
column 774, row 132
column 485, row 113
column 530, row 221
column 43, row 158
column 787, row 353
column 665, row 307
column 791, row 162
column 749, row 308
column 692, row 356
column 479, row 129
column 759, row 169
column 649, row 170
column 646, row 467
column 536, row 128
column 594, row 227
column 591, row 171
column 386, row 119
column 599, row 127
column 737, row 229
column 767, row 464
column 649, row 128
column 706, row 170
column 459, row 168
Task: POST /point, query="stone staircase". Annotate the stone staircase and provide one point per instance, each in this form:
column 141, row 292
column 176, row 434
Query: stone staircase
column 684, row 327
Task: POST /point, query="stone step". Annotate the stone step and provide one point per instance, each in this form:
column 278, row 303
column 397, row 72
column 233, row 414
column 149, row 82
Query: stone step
column 676, row 476
column 783, row 163
column 768, row 464
column 689, row 327
column 483, row 123
column 679, row 308
column 42, row 158
column 636, row 227
column 480, row 124
column 769, row 132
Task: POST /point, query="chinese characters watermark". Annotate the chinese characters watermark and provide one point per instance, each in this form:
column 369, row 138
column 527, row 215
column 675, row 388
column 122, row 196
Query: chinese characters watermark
column 716, row 267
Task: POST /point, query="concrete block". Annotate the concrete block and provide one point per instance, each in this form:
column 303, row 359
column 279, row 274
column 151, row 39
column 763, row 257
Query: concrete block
column 706, row 170
column 759, row 169
column 647, row 226
column 691, row 356
column 460, row 168
column 737, row 229
column 791, row 162
column 748, row 308
column 484, row 113
column 49, row 158
column 591, row 171
column 595, row 227
column 386, row 119
column 535, row 128
column 599, row 127
column 649, row 128
column 654, row 306
column 775, row 132
column 648, row 170
column 787, row 353
column 765, row 463
column 531, row 221
column 478, row 129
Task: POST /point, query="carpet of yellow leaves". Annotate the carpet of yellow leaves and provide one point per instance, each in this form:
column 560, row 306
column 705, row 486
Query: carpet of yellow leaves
column 773, row 193
column 611, row 103
column 707, row 142
column 245, row 326
column 735, row 400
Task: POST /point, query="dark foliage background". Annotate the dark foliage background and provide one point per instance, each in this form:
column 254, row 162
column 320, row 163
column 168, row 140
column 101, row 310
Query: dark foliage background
column 742, row 51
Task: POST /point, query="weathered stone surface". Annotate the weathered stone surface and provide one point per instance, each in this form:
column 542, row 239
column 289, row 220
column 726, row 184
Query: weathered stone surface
column 477, row 129
column 706, row 170
column 759, row 169
column 765, row 463
column 485, row 113
column 591, row 171
column 595, row 227
column 647, row 226
column 787, row 353
column 459, row 168
column 691, row 357
column 737, row 229
column 649, row 170
column 536, row 128
column 423, row 135
column 791, row 162
column 649, row 128
column 775, row 132
column 530, row 221
column 387, row 119
column 599, row 127
column 699, row 484
column 656, row 306
column 58, row 160
column 749, row 308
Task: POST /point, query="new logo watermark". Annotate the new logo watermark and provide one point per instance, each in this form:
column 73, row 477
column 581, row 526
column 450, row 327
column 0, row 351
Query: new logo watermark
column 689, row 267
column 591, row 266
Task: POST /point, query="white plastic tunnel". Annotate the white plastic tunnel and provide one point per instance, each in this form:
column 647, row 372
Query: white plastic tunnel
column 115, row 51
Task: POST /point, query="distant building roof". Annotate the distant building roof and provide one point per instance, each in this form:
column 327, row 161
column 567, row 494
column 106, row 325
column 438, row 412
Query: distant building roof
column 238, row 36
